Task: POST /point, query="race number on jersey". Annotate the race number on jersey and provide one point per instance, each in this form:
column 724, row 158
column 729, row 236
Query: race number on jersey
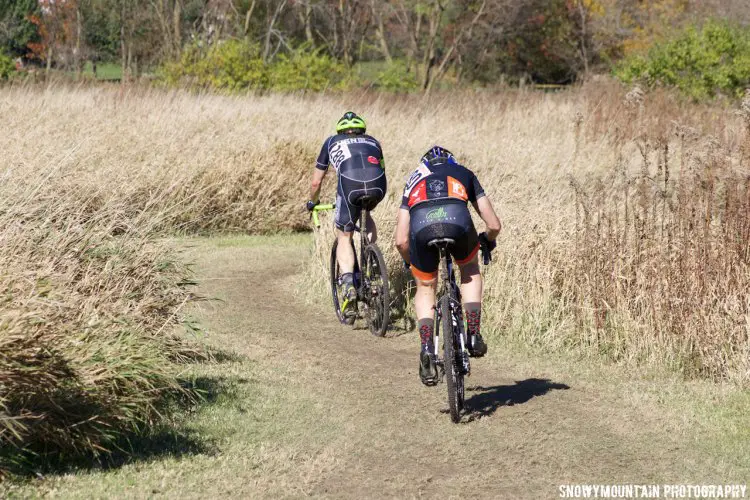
column 420, row 173
column 339, row 153
column 341, row 150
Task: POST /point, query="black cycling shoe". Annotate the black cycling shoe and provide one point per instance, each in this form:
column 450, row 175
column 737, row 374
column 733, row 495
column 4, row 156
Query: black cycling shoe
column 427, row 369
column 477, row 347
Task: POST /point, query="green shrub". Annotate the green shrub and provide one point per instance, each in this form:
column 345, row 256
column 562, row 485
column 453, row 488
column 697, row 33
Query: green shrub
column 701, row 62
column 7, row 67
column 230, row 65
column 306, row 69
column 397, row 78
column 238, row 65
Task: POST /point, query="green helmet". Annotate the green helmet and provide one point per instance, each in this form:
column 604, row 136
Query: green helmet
column 350, row 121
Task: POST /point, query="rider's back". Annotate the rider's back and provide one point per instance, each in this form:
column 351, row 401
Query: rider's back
column 437, row 196
column 439, row 181
column 358, row 160
column 347, row 152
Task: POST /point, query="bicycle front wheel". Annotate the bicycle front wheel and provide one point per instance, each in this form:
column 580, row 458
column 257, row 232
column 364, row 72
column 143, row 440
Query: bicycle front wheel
column 377, row 293
column 453, row 373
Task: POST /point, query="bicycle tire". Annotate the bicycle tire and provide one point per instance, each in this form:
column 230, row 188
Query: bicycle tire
column 378, row 302
column 335, row 289
column 453, row 374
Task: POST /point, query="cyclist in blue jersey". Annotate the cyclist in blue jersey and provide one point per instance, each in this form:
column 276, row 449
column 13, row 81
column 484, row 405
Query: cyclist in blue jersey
column 435, row 205
column 358, row 161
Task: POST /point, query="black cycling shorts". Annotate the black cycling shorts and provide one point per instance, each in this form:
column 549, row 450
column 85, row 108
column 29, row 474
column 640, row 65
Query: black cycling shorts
column 357, row 188
column 442, row 218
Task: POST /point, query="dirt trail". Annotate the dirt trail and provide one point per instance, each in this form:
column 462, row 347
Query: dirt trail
column 328, row 411
column 525, row 433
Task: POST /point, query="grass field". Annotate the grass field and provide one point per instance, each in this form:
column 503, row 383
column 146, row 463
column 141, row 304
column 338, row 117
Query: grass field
column 104, row 71
column 626, row 222
column 308, row 407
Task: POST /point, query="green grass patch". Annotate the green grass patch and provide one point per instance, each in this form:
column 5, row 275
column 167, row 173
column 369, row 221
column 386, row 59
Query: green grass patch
column 104, row 71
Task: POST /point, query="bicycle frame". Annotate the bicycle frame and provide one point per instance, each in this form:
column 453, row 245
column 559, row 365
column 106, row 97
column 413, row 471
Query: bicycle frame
column 370, row 276
column 449, row 283
column 361, row 262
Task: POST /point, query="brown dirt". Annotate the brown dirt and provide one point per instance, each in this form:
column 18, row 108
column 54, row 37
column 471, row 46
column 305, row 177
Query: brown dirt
column 524, row 434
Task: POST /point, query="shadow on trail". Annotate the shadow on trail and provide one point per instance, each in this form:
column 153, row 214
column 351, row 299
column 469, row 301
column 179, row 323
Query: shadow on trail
column 486, row 400
column 173, row 438
column 402, row 298
column 398, row 326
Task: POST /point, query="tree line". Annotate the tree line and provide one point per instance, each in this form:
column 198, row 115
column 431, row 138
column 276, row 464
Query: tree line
column 484, row 41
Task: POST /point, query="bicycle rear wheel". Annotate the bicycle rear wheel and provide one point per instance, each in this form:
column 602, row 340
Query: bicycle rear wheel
column 378, row 297
column 453, row 369
column 336, row 289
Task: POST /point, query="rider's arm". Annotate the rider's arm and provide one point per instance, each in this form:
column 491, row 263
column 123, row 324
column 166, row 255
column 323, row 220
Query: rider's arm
column 321, row 167
column 317, row 182
column 482, row 205
column 487, row 213
column 402, row 233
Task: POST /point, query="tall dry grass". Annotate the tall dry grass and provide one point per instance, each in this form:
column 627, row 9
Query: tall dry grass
column 92, row 177
column 625, row 214
column 661, row 260
column 86, row 315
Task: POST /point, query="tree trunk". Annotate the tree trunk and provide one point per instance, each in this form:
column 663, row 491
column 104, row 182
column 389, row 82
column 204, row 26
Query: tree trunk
column 453, row 48
column 415, row 37
column 162, row 13
column 269, row 31
column 48, row 67
column 129, row 64
column 380, row 33
column 584, row 35
column 404, row 17
column 428, row 59
column 249, row 16
column 123, row 45
column 335, row 38
column 77, row 56
column 345, row 34
column 307, row 20
column 177, row 27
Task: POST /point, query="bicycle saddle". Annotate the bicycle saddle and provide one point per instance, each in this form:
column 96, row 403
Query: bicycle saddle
column 441, row 242
column 367, row 201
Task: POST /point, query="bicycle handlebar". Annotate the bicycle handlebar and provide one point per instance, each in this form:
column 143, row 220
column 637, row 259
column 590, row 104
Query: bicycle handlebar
column 486, row 256
column 321, row 208
column 486, row 247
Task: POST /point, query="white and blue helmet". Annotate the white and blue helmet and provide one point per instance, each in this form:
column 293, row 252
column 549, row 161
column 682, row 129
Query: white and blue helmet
column 438, row 153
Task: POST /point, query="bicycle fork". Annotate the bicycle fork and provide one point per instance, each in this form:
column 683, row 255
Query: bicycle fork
column 457, row 326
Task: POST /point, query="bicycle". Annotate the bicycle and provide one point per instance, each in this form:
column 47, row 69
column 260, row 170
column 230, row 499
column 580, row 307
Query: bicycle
column 370, row 279
column 449, row 313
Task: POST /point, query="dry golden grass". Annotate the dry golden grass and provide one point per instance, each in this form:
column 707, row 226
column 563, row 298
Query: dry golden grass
column 81, row 354
column 626, row 219
column 91, row 176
